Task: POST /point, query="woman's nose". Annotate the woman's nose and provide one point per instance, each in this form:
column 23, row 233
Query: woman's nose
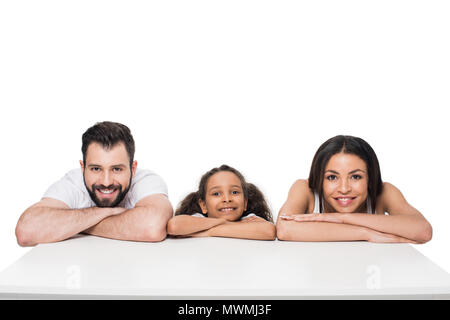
column 344, row 186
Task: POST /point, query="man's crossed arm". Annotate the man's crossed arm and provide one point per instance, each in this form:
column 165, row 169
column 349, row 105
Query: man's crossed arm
column 51, row 220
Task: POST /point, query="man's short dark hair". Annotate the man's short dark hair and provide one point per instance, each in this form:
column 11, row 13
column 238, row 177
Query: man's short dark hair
column 108, row 134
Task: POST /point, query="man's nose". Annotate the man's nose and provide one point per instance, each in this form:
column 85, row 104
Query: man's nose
column 106, row 179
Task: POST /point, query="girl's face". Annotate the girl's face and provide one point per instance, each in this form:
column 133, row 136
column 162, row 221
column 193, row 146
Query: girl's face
column 345, row 184
column 224, row 197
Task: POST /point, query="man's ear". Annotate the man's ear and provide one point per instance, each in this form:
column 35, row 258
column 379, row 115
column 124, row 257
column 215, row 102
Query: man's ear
column 202, row 205
column 133, row 168
column 82, row 166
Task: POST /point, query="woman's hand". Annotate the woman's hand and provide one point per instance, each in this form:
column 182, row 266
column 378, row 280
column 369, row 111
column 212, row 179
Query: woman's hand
column 314, row 217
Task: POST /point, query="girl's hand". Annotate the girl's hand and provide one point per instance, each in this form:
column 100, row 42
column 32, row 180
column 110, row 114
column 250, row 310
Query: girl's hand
column 200, row 234
column 314, row 217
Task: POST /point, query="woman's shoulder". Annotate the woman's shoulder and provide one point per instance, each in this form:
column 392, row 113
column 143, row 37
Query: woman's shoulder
column 389, row 190
column 389, row 194
column 301, row 195
column 302, row 186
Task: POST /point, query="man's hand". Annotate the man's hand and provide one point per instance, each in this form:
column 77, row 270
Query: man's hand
column 117, row 210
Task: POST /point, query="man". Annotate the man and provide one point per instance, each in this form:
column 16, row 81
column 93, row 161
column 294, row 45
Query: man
column 108, row 197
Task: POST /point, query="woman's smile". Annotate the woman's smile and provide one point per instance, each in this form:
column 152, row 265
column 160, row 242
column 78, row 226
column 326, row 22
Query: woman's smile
column 345, row 183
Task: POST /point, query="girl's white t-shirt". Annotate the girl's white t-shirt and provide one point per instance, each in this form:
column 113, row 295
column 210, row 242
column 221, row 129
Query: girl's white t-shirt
column 242, row 218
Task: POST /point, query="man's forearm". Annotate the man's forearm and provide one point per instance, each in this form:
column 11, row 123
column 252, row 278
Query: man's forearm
column 46, row 224
column 137, row 224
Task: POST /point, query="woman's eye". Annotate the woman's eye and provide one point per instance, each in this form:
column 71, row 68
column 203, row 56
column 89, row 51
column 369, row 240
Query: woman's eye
column 331, row 177
column 356, row 177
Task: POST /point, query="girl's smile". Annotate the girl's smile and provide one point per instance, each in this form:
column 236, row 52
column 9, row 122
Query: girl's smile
column 224, row 197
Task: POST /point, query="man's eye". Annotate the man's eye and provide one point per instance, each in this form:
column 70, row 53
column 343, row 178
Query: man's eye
column 117, row 169
column 95, row 169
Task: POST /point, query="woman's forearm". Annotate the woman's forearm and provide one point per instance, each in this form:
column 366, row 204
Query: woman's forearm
column 413, row 227
column 320, row 231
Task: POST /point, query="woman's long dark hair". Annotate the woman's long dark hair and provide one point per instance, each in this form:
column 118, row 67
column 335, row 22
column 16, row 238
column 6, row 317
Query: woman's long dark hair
column 256, row 202
column 349, row 145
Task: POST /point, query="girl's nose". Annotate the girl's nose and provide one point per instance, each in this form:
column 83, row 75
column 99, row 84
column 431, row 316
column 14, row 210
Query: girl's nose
column 226, row 197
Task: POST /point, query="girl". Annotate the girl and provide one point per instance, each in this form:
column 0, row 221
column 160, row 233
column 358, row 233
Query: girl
column 225, row 205
column 345, row 187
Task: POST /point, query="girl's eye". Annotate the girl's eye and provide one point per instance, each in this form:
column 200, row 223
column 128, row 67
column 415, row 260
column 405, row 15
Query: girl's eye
column 331, row 177
column 215, row 193
column 235, row 192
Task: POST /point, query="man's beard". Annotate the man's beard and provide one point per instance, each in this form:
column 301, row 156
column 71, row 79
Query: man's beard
column 107, row 203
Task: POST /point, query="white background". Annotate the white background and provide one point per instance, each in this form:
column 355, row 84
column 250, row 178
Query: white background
column 258, row 85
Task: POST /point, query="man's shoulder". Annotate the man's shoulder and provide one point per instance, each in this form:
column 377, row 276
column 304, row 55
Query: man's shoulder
column 74, row 174
column 144, row 183
column 70, row 189
column 145, row 174
column 74, row 178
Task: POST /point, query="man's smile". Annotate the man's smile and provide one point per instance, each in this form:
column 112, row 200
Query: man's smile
column 107, row 192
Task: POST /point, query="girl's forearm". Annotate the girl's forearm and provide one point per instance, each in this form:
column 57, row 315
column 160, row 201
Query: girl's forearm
column 186, row 224
column 257, row 230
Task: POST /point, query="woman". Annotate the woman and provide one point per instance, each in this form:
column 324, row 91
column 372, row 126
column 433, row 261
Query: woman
column 225, row 205
column 345, row 199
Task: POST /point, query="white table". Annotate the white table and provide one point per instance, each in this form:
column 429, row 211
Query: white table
column 89, row 267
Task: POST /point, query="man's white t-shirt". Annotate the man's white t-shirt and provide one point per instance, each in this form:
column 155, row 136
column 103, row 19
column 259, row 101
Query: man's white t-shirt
column 72, row 191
